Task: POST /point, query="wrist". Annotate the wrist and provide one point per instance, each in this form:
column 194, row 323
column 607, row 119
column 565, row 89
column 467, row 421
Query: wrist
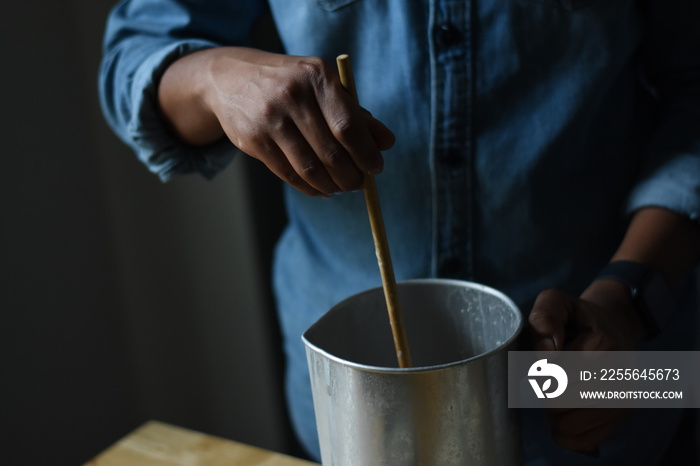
column 650, row 295
column 615, row 296
column 185, row 101
column 606, row 291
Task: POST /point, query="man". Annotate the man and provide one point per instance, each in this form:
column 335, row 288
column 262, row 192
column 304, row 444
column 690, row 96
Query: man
column 531, row 142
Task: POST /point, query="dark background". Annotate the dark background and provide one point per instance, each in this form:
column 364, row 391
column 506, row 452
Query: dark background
column 123, row 299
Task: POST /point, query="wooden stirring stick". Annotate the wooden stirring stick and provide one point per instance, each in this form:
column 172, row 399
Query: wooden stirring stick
column 381, row 245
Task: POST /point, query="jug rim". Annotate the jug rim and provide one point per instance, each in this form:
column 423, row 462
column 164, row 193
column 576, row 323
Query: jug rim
column 422, row 369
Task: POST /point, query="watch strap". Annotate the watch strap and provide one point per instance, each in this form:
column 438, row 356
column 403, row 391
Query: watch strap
column 630, row 273
column 652, row 297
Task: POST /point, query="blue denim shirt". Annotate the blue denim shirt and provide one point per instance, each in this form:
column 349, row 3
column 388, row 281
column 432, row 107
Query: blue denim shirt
column 527, row 130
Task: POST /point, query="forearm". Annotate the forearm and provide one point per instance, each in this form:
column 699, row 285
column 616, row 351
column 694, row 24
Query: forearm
column 661, row 238
column 181, row 99
column 187, row 90
column 657, row 237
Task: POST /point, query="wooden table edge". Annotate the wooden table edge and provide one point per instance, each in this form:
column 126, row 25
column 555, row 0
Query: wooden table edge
column 156, row 443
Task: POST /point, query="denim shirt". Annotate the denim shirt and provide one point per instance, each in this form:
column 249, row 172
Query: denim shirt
column 526, row 132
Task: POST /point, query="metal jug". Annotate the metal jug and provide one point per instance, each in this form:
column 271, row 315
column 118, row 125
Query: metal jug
column 450, row 408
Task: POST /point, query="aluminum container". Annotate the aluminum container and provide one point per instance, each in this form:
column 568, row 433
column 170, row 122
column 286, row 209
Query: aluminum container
column 450, row 408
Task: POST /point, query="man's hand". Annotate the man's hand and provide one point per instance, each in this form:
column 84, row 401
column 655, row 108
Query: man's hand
column 290, row 112
column 602, row 319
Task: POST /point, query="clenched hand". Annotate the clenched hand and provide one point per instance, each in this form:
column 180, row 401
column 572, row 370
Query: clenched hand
column 289, row 112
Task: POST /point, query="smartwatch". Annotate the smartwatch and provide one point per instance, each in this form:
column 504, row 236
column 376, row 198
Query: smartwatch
column 651, row 295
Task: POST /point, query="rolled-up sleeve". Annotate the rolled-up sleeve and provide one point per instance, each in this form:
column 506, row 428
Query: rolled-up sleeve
column 671, row 175
column 142, row 38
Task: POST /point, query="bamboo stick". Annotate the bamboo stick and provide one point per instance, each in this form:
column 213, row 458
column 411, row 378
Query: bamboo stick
column 381, row 244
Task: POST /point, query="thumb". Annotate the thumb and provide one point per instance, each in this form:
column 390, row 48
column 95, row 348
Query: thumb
column 383, row 137
column 548, row 318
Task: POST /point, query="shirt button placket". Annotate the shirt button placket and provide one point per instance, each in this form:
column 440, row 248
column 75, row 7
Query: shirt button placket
column 452, row 137
column 447, row 35
column 452, row 159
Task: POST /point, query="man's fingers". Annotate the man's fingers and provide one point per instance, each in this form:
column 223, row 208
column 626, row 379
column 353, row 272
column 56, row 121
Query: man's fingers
column 587, row 441
column 333, row 156
column 352, row 133
column 548, row 319
column 588, row 340
column 585, row 429
column 383, row 137
column 276, row 161
column 296, row 117
column 347, row 123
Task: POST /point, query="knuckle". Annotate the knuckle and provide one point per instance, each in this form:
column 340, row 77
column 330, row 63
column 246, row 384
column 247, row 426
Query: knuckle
column 269, row 110
column 549, row 294
column 311, row 73
column 245, row 148
column 333, row 156
column 311, row 171
column 313, row 68
column 536, row 317
column 245, row 144
column 342, row 128
column 280, row 125
column 251, row 142
column 292, row 92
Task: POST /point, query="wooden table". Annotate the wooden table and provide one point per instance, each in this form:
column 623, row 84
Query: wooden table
column 159, row 444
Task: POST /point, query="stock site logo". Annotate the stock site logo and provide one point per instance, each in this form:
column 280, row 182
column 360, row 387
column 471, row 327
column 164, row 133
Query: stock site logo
column 546, row 372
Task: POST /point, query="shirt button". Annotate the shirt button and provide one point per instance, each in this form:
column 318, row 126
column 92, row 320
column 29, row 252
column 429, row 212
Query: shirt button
column 451, row 267
column 448, row 35
column 453, row 158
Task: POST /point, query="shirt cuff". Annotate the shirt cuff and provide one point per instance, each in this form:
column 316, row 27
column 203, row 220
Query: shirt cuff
column 155, row 144
column 674, row 185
